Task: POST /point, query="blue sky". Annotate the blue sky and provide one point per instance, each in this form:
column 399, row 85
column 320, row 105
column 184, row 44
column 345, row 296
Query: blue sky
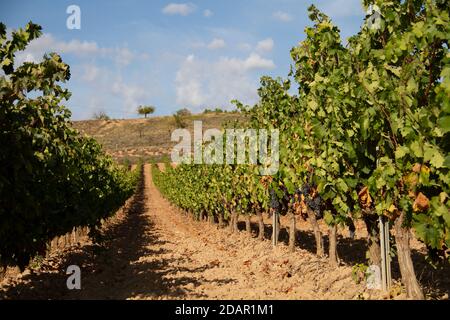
column 198, row 54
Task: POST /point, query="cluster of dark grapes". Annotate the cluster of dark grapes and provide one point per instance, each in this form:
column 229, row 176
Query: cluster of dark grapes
column 274, row 202
column 286, row 196
column 315, row 204
column 305, row 190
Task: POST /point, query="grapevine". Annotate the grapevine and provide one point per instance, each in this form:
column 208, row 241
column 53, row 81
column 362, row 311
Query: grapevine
column 366, row 136
column 52, row 179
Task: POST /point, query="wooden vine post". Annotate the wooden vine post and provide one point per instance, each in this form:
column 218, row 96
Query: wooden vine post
column 275, row 228
column 386, row 278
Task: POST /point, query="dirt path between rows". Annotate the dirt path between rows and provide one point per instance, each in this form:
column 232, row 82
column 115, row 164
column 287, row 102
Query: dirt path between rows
column 153, row 251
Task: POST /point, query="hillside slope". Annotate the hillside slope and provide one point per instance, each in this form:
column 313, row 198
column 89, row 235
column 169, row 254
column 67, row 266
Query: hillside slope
column 147, row 139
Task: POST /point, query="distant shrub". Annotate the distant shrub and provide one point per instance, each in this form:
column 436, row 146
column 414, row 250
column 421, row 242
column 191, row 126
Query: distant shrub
column 184, row 112
column 179, row 121
column 101, row 115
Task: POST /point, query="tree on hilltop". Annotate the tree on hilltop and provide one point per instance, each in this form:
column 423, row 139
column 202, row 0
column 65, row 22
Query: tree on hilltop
column 145, row 110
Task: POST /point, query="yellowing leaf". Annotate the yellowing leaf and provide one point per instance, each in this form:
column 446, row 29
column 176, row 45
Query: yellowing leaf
column 422, row 203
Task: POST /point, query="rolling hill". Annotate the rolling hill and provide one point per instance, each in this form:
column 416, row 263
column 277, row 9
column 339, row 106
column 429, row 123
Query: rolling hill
column 147, row 139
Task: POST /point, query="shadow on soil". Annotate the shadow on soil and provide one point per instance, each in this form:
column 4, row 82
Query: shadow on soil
column 113, row 270
column 435, row 282
column 351, row 251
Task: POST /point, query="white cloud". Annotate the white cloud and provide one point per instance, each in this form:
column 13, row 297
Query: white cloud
column 182, row 9
column 144, row 56
column 104, row 89
column 245, row 47
column 255, row 61
column 123, row 56
column 189, row 84
column 132, row 95
column 201, row 84
column 47, row 43
column 90, row 73
column 77, row 47
column 283, row 16
column 95, row 103
column 101, row 86
column 342, row 8
column 216, row 44
column 208, row 13
column 85, row 49
column 26, row 57
column 265, row 45
column 190, row 58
